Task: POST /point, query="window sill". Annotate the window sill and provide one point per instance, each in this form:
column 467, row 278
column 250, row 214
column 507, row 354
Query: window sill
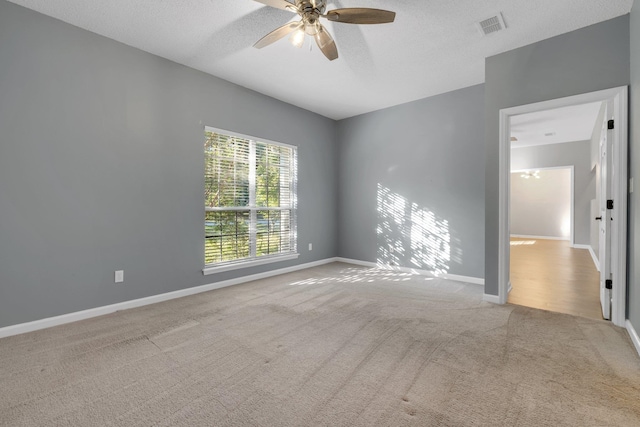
column 244, row 264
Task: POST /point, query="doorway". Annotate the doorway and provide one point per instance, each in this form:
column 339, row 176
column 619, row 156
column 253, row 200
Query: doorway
column 551, row 264
column 612, row 282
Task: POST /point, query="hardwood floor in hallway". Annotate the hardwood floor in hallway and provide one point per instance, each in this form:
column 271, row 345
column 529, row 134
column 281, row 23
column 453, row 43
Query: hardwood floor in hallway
column 551, row 275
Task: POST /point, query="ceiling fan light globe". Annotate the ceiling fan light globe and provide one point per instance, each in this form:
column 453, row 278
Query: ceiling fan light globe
column 312, row 28
column 297, row 38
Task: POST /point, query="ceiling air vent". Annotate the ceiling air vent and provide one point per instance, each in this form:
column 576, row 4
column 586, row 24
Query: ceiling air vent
column 491, row 25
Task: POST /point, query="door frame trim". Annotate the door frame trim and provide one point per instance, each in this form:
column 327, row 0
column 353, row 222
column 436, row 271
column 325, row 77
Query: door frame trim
column 619, row 96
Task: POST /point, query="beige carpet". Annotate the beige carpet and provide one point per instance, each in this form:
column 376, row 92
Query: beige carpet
column 335, row 345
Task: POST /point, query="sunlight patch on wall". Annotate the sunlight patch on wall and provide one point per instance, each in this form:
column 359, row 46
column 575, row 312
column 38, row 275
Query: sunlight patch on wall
column 565, row 227
column 411, row 235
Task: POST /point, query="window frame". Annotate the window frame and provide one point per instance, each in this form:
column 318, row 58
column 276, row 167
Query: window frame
column 252, row 208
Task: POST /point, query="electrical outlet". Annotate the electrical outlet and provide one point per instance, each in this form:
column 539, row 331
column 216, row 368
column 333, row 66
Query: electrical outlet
column 310, row 246
column 119, row 276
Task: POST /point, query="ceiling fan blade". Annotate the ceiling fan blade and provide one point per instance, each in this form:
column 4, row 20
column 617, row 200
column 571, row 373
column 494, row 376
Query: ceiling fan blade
column 278, row 33
column 326, row 44
column 279, row 4
column 360, row 15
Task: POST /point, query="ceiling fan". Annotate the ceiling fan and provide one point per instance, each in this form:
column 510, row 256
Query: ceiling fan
column 310, row 12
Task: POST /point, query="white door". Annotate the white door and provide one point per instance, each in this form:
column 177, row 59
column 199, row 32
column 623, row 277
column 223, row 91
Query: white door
column 606, row 173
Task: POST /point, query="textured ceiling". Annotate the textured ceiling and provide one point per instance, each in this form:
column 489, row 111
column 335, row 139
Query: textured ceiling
column 567, row 124
column 431, row 48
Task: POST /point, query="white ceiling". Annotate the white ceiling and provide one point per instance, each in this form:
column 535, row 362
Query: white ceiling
column 433, row 46
column 567, row 124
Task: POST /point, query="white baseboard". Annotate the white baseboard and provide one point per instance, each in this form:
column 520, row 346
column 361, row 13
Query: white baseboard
column 634, row 335
column 593, row 255
column 357, row 262
column 494, row 299
column 577, row 246
column 526, row 236
column 466, row 279
column 454, row 277
column 107, row 309
column 594, row 258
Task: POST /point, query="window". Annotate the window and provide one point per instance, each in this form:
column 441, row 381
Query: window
column 250, row 201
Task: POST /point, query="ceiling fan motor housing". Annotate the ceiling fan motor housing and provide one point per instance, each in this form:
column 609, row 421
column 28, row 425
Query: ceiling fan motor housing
column 310, row 11
column 316, row 7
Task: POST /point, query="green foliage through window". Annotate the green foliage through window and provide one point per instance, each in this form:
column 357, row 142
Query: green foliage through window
column 249, row 198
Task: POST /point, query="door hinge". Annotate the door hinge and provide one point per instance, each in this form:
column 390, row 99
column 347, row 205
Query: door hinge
column 609, row 204
column 608, row 284
column 611, row 124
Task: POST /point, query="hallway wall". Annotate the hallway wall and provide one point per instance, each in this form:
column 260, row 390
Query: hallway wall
column 576, row 154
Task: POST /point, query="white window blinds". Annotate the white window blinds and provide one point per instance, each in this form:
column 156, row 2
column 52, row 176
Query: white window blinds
column 250, row 198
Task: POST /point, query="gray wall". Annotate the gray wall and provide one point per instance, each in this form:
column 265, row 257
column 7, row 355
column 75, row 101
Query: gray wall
column 541, row 206
column 585, row 60
column 633, row 301
column 576, row 154
column 410, row 180
column 101, row 168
